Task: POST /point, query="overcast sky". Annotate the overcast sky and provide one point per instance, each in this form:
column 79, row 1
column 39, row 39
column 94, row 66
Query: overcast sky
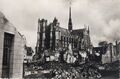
column 102, row 16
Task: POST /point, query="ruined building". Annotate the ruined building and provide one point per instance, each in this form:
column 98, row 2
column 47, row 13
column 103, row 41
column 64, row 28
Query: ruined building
column 108, row 52
column 52, row 36
column 112, row 54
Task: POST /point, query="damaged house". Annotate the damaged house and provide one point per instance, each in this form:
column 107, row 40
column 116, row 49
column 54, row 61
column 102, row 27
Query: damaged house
column 107, row 53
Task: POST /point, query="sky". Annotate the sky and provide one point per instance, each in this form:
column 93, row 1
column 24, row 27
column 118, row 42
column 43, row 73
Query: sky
column 102, row 16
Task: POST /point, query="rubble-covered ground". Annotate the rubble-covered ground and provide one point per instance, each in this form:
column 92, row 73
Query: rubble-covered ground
column 111, row 71
column 57, row 70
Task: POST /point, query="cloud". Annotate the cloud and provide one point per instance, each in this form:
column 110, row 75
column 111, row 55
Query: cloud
column 112, row 32
column 109, row 10
column 101, row 15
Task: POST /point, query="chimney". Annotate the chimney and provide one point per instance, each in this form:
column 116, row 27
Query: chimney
column 116, row 47
column 111, row 51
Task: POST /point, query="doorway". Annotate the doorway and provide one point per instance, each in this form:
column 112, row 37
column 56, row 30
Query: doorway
column 7, row 51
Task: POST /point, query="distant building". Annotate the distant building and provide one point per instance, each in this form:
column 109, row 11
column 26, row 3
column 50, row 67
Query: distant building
column 113, row 52
column 52, row 36
column 108, row 53
column 98, row 52
column 12, row 48
column 28, row 54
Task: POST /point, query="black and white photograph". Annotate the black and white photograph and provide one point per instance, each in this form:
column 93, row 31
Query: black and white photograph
column 59, row 39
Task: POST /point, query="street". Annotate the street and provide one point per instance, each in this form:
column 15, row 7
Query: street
column 111, row 75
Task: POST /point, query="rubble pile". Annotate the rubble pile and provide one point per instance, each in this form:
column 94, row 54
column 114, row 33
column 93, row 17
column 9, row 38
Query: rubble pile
column 64, row 74
column 112, row 66
column 67, row 71
column 56, row 65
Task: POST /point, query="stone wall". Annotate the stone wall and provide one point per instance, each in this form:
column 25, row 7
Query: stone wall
column 16, row 61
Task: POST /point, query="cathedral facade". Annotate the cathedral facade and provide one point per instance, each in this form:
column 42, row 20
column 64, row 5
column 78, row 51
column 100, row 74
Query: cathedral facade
column 52, row 36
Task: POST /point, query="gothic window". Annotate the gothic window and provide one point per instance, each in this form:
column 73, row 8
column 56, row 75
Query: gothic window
column 43, row 35
column 67, row 41
column 61, row 38
column 57, row 35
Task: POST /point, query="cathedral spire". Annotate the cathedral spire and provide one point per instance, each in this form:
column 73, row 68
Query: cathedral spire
column 70, row 20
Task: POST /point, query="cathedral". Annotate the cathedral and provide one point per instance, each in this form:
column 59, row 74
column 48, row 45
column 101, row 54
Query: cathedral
column 52, row 36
